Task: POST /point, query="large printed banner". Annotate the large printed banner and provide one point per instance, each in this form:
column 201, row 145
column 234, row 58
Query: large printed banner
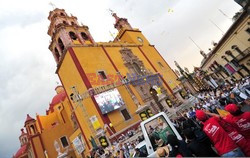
column 230, row 68
column 95, row 122
column 78, row 145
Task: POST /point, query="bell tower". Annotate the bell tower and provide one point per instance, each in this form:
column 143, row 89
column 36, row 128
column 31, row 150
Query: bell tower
column 30, row 125
column 121, row 23
column 34, row 137
column 128, row 34
column 65, row 31
column 23, row 138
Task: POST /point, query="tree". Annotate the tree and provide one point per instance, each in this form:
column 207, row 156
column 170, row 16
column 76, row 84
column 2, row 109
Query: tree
column 237, row 15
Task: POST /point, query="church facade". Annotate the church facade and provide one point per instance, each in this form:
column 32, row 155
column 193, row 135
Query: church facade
column 109, row 87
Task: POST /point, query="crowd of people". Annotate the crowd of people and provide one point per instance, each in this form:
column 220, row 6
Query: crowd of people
column 215, row 126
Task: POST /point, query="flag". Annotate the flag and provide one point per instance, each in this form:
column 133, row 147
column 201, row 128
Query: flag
column 222, row 113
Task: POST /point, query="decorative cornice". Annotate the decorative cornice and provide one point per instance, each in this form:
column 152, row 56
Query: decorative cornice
column 229, row 32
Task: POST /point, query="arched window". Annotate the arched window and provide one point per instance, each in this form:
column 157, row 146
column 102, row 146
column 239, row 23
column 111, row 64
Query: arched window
column 62, row 14
column 57, row 54
column 32, row 129
column 153, row 91
column 72, row 35
column 84, row 36
column 137, row 68
column 72, row 23
column 64, row 22
column 60, row 43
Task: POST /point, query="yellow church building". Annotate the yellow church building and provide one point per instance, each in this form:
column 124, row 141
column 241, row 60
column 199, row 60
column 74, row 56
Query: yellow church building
column 108, row 88
column 48, row 135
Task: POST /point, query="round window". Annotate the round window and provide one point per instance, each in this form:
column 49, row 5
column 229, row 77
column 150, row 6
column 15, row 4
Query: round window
column 140, row 39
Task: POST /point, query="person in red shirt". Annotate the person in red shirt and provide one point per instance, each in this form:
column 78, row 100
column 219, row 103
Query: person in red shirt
column 238, row 119
column 241, row 122
column 238, row 138
column 224, row 145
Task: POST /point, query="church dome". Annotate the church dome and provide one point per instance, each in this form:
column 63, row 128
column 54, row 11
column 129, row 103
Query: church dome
column 58, row 98
column 21, row 151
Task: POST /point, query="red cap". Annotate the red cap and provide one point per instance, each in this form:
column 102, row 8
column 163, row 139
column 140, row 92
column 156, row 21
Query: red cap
column 232, row 108
column 200, row 115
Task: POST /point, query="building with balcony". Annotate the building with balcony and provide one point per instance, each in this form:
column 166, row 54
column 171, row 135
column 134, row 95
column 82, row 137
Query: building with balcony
column 229, row 60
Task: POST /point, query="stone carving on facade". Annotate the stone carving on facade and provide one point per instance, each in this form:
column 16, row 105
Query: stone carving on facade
column 143, row 80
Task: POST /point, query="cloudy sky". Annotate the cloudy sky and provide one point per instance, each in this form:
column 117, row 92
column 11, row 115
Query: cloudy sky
column 27, row 79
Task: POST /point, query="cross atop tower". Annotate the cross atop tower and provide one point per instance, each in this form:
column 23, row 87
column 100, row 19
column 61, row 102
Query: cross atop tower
column 65, row 31
column 121, row 23
column 115, row 16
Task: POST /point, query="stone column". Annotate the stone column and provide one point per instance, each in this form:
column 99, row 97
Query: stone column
column 179, row 97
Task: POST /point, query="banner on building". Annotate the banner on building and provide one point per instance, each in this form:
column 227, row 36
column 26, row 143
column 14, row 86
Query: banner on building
column 79, row 147
column 103, row 141
column 95, row 122
column 230, row 68
column 143, row 115
column 149, row 112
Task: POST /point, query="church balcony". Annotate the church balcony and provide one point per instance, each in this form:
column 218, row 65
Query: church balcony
column 246, row 54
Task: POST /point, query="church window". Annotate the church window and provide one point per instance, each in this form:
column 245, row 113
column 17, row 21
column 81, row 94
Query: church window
column 248, row 30
column 160, row 64
column 72, row 23
column 64, row 141
column 62, row 14
column 60, row 43
column 57, row 54
column 32, row 128
column 125, row 114
column 140, row 39
column 84, row 36
column 102, row 75
column 72, row 35
column 64, row 22
column 153, row 91
column 137, row 68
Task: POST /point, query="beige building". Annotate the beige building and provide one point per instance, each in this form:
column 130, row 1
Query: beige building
column 230, row 57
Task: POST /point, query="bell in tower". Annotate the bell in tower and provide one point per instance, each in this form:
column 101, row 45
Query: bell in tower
column 65, row 31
